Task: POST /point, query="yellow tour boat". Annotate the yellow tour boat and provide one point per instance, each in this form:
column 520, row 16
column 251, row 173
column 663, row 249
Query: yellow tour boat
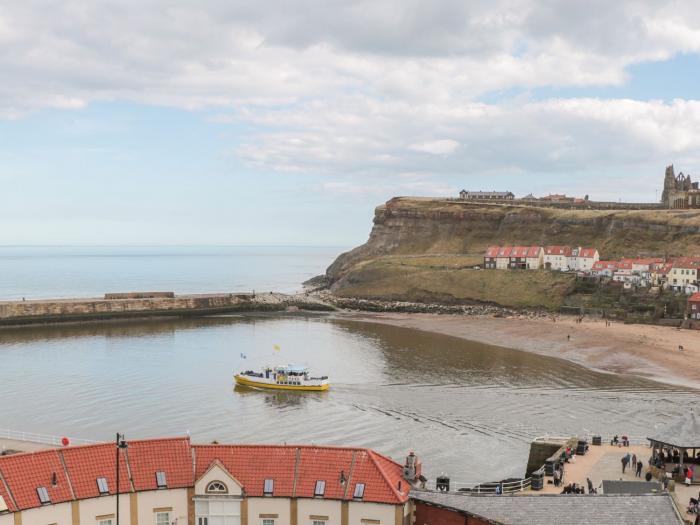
column 289, row 377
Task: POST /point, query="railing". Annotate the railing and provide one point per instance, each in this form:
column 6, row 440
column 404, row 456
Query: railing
column 525, row 483
column 485, row 488
column 44, row 439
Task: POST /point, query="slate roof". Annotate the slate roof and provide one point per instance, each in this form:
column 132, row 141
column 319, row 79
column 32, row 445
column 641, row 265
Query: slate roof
column 614, row 486
column 683, row 432
column 555, row 509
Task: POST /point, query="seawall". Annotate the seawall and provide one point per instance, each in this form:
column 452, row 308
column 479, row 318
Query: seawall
column 15, row 313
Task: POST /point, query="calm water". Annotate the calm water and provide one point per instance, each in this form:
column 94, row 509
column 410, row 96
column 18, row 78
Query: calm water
column 467, row 409
column 48, row 272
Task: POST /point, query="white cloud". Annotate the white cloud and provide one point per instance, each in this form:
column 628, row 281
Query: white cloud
column 368, row 87
column 436, row 147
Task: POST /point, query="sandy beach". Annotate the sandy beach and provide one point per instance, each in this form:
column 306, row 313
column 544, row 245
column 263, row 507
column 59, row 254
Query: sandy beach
column 641, row 350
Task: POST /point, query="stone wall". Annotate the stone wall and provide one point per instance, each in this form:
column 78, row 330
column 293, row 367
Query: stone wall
column 63, row 310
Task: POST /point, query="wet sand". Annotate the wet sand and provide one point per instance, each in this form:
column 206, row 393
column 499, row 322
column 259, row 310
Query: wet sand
column 641, row 350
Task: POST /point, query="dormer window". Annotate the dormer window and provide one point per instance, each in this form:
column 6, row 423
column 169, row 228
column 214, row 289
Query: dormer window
column 216, row 487
column 102, row 486
column 43, row 495
column 161, row 481
column 359, row 491
column 320, row 488
column 269, row 487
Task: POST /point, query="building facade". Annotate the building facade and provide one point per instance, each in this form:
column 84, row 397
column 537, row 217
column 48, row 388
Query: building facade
column 679, row 192
column 556, row 257
column 486, row 195
column 174, row 482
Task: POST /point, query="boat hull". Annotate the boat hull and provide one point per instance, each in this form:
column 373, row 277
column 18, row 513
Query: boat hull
column 247, row 381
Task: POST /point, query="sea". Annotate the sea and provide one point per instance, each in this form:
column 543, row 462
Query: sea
column 467, row 409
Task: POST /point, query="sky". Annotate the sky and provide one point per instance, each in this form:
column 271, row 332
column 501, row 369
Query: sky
column 286, row 122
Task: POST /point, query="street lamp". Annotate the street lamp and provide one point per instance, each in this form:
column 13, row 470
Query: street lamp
column 120, row 444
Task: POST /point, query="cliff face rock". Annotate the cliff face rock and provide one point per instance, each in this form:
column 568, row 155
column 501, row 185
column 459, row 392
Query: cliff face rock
column 411, row 226
column 421, row 249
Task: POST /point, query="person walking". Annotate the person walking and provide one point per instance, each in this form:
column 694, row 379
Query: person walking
column 689, row 475
column 634, row 461
column 625, row 460
column 640, row 466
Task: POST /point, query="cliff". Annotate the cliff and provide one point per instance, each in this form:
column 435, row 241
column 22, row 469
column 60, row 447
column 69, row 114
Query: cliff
column 422, row 249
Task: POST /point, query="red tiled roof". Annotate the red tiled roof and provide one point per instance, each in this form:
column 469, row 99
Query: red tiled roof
column 687, row 262
column 587, row 252
column 533, row 251
column 492, row 251
column 24, row 473
column 695, row 298
column 252, row 464
column 294, row 469
column 87, row 463
column 172, row 456
column 504, row 251
column 605, row 265
column 557, row 250
column 519, row 251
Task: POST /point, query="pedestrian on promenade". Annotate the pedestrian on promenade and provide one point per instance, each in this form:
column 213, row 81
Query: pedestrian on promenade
column 634, row 460
column 640, row 466
column 689, row 475
column 625, row 460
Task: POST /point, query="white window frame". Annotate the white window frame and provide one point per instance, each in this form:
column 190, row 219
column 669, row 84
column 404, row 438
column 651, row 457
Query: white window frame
column 319, row 522
column 105, row 521
column 159, row 513
column 267, row 521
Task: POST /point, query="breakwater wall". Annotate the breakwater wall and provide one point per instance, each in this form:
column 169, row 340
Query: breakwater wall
column 15, row 313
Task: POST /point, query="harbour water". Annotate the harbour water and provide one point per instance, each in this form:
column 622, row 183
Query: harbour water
column 467, row 409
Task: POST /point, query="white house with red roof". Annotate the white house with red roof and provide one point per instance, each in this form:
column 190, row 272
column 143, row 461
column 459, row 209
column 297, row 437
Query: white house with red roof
column 556, row 257
column 535, row 257
column 173, row 482
column 694, row 306
column 583, row 259
column 604, row 268
column 683, row 275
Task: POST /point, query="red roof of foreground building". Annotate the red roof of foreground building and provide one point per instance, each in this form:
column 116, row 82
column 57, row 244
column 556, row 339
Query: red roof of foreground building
column 172, row 456
column 557, row 250
column 695, row 298
column 85, row 464
column 294, row 469
column 24, row 473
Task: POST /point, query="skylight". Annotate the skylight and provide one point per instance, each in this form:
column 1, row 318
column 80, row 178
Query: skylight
column 160, row 480
column 359, row 490
column 269, row 486
column 102, row 485
column 320, row 488
column 43, row 495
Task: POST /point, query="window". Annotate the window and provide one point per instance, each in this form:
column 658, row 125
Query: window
column 359, row 490
column 162, row 518
column 269, row 487
column 43, row 495
column 268, row 522
column 102, row 486
column 319, row 522
column 320, row 488
column 161, row 481
column 217, row 487
column 107, row 521
column 217, row 510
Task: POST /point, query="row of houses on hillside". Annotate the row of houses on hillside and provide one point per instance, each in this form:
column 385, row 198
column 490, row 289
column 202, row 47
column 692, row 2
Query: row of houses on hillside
column 557, row 258
column 680, row 274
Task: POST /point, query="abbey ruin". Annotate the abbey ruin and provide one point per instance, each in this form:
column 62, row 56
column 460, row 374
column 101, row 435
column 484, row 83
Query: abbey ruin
column 680, row 191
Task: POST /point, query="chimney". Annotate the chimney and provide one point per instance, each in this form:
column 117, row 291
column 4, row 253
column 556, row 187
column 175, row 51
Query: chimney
column 412, row 468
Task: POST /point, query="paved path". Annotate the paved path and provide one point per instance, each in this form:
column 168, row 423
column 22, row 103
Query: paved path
column 22, row 446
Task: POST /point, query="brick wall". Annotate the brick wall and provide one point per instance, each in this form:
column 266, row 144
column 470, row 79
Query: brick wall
column 429, row 515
